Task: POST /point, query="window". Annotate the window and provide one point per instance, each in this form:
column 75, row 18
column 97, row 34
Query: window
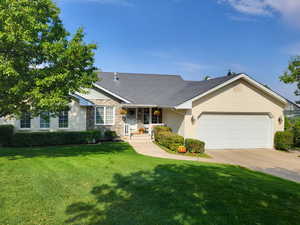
column 63, row 119
column 156, row 115
column 109, row 115
column 100, row 115
column 25, row 121
column 45, row 120
column 105, row 115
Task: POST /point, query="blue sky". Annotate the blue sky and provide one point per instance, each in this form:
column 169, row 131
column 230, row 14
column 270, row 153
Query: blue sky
column 192, row 38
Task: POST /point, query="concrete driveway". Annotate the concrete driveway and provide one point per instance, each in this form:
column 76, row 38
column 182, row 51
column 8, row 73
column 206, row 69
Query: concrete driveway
column 281, row 164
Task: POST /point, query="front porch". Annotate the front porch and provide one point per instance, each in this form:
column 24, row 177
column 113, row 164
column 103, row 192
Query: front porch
column 140, row 120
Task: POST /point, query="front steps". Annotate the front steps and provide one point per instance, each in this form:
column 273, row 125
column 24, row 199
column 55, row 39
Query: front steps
column 138, row 138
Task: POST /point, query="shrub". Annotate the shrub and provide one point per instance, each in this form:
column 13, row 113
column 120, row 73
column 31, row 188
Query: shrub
column 283, row 140
column 6, row 134
column 55, row 138
column 194, row 145
column 158, row 129
column 162, row 128
column 110, row 135
column 170, row 140
column 296, row 133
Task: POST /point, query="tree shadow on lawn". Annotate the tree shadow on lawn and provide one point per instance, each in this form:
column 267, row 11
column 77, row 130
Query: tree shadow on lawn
column 64, row 151
column 191, row 195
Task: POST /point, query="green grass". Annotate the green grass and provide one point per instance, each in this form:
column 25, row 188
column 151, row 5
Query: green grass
column 201, row 155
column 110, row 184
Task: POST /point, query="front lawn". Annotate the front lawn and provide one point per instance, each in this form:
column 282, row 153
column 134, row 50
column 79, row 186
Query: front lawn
column 110, row 184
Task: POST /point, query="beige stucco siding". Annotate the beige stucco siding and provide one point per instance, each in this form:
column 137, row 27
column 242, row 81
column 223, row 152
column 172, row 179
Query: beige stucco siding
column 77, row 121
column 174, row 119
column 237, row 97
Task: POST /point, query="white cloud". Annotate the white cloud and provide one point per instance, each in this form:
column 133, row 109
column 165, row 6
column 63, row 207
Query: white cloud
column 256, row 7
column 111, row 2
column 287, row 9
column 242, row 18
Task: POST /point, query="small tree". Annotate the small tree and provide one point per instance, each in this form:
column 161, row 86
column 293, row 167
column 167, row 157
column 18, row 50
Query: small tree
column 230, row 73
column 207, row 77
column 40, row 63
column 292, row 75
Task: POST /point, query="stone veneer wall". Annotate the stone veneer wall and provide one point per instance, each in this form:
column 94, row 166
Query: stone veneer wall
column 118, row 127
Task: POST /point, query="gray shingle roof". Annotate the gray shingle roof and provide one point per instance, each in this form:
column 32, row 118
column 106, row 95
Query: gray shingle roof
column 153, row 89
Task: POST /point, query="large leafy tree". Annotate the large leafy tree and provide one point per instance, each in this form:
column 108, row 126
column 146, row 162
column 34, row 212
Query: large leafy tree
column 292, row 75
column 41, row 64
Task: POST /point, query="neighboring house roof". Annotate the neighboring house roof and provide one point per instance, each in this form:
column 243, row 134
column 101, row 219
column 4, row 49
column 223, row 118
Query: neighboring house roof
column 292, row 109
column 156, row 90
column 294, row 105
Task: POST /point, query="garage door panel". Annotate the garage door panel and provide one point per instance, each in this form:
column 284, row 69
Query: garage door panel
column 221, row 131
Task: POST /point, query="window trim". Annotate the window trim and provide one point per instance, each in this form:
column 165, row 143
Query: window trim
column 104, row 119
column 45, row 128
column 64, row 128
column 25, row 128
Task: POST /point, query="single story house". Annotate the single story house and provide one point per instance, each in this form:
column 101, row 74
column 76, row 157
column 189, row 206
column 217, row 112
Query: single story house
column 228, row 112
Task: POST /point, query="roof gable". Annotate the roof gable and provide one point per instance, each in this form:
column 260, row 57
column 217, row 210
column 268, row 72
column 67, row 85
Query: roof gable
column 188, row 103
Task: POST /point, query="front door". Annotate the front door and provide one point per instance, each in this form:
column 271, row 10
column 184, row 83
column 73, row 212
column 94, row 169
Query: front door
column 131, row 120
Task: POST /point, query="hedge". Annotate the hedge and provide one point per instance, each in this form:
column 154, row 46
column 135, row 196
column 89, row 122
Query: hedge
column 194, row 145
column 24, row 139
column 283, row 140
column 169, row 140
column 158, row 129
column 6, row 134
column 110, row 135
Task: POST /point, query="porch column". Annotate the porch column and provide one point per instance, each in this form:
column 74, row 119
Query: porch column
column 150, row 116
column 150, row 120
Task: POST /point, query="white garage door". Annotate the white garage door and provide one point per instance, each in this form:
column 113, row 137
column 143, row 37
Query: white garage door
column 229, row 131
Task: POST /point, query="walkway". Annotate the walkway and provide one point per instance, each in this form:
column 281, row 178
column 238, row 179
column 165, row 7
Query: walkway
column 150, row 149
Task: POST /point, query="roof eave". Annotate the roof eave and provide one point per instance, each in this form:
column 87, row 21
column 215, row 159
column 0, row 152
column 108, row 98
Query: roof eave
column 132, row 105
column 82, row 101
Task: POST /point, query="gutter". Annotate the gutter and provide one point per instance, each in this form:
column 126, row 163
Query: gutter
column 146, row 106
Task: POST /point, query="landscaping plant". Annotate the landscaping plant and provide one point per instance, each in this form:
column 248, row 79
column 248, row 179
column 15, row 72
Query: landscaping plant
column 170, row 140
column 6, row 134
column 194, row 145
column 283, row 140
column 110, row 135
column 158, row 129
column 23, row 139
column 41, row 63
